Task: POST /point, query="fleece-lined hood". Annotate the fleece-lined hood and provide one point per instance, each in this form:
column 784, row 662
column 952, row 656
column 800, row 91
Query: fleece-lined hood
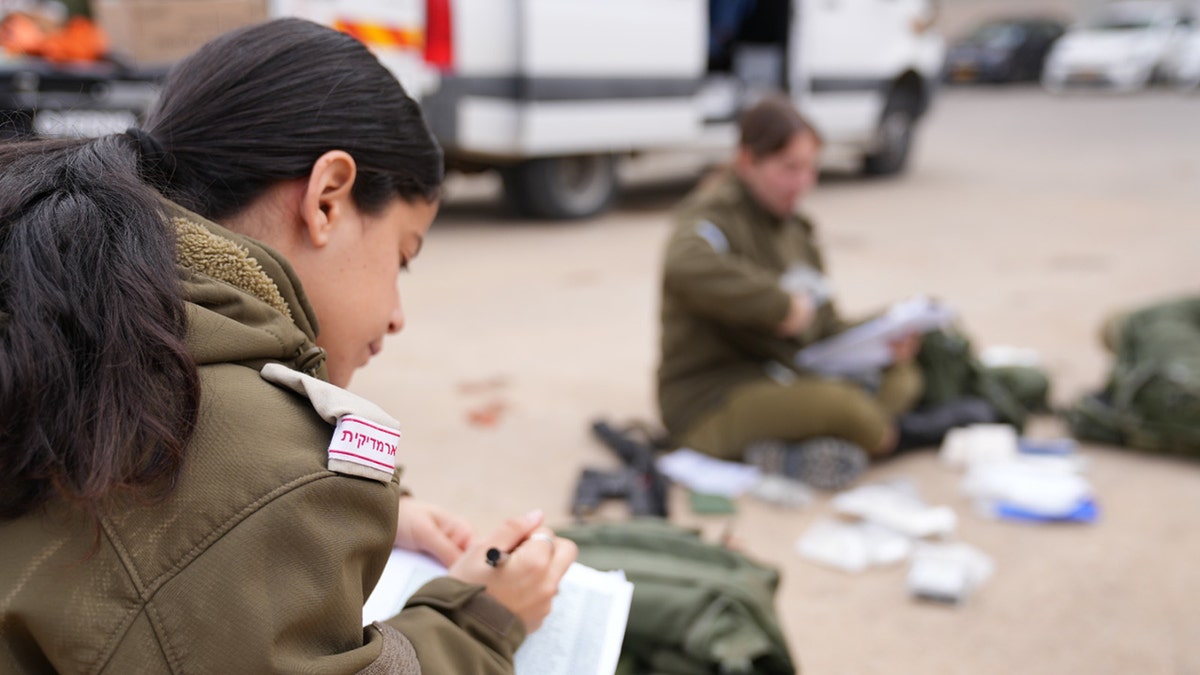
column 245, row 302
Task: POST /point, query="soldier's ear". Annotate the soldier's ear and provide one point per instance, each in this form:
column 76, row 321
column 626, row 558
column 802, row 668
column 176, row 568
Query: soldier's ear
column 743, row 159
column 328, row 197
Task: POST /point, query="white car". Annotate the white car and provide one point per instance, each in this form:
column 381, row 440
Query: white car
column 1124, row 46
column 1183, row 71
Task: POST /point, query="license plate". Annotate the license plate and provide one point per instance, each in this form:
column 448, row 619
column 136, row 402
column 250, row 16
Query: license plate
column 82, row 123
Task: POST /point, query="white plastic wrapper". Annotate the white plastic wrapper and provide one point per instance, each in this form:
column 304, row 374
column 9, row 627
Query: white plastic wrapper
column 897, row 507
column 852, row 547
column 1043, row 486
column 947, row 572
column 978, row 444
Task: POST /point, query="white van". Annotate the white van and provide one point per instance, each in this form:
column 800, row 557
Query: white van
column 552, row 93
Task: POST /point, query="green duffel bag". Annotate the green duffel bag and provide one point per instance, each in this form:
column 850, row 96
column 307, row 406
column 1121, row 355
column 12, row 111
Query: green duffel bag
column 1030, row 386
column 1151, row 401
column 697, row 608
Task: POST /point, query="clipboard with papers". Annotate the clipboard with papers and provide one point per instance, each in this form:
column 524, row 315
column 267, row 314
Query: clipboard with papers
column 867, row 346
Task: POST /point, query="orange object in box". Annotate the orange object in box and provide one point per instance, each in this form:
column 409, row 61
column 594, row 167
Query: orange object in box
column 21, row 34
column 79, row 40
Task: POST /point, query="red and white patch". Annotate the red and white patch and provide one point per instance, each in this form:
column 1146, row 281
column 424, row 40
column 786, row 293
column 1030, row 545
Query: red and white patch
column 365, row 443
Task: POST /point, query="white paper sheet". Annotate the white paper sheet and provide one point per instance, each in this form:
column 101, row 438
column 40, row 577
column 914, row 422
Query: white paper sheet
column 867, row 347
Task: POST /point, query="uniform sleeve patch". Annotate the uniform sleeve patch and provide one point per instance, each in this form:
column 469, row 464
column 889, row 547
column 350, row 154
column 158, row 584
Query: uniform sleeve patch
column 364, row 438
column 369, row 446
column 713, row 235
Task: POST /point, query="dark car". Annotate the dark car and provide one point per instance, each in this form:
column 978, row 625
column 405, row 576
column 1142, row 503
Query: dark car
column 1003, row 50
column 40, row 98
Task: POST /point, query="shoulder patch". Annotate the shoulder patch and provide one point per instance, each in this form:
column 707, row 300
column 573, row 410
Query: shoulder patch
column 364, row 437
column 713, row 235
column 363, row 443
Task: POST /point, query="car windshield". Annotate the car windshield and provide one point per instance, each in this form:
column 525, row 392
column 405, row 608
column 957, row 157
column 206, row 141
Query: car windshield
column 997, row 35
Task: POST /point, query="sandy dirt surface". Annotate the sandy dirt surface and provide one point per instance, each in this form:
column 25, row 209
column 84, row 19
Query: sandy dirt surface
column 1034, row 215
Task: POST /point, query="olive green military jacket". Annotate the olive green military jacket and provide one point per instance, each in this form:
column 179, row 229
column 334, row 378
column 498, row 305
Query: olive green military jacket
column 260, row 559
column 726, row 268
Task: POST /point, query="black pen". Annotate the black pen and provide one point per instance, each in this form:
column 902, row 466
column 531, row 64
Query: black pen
column 496, row 557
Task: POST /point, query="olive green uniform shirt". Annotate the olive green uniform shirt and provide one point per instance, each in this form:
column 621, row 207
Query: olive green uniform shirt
column 260, row 558
column 723, row 298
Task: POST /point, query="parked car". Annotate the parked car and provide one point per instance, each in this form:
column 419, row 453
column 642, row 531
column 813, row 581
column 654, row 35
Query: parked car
column 1124, row 45
column 1003, row 50
column 1183, row 70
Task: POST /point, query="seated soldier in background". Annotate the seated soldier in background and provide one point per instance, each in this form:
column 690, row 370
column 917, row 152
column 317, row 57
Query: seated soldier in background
column 743, row 290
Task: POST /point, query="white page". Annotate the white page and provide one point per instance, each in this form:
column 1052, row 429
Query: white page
column 586, row 624
column 590, row 609
column 709, row 475
column 867, row 347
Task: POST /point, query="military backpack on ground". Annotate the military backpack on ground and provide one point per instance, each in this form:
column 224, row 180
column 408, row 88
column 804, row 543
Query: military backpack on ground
column 1151, row 401
column 952, row 371
column 697, row 608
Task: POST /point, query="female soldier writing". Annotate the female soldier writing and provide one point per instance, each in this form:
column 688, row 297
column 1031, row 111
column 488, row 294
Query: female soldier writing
column 184, row 486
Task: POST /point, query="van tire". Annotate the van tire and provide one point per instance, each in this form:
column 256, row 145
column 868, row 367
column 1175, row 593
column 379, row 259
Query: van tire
column 561, row 187
column 896, row 127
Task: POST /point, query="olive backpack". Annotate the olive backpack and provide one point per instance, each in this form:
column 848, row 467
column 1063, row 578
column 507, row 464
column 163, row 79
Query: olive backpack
column 697, row 607
column 1151, row 399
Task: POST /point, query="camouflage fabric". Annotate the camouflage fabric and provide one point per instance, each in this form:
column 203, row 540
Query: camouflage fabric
column 952, row 371
column 1151, row 401
column 697, row 608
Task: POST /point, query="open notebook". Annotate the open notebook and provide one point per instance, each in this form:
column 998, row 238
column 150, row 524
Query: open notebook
column 581, row 636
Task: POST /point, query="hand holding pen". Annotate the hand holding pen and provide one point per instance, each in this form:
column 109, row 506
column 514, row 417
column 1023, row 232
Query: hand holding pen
column 497, row 557
column 521, row 564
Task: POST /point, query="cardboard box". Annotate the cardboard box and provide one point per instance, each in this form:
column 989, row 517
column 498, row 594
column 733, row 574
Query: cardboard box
column 155, row 33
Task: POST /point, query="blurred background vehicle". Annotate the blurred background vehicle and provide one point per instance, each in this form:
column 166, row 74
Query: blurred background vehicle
column 1003, row 50
column 1122, row 45
column 56, row 78
column 1183, row 69
column 550, row 94
column 553, row 94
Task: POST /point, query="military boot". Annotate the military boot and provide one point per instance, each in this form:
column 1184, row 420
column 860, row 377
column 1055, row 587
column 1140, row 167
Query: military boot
column 824, row 463
column 928, row 426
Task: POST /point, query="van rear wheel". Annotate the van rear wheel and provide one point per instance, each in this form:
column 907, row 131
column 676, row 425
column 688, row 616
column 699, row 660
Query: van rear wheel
column 894, row 135
column 561, row 187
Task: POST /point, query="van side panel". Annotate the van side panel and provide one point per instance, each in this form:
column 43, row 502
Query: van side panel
column 551, row 77
column 852, row 53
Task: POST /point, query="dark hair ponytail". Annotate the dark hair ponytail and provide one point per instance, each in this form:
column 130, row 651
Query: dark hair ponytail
column 97, row 390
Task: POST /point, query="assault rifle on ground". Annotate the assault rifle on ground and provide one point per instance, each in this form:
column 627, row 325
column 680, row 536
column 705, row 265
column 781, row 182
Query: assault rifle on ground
column 638, row 482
